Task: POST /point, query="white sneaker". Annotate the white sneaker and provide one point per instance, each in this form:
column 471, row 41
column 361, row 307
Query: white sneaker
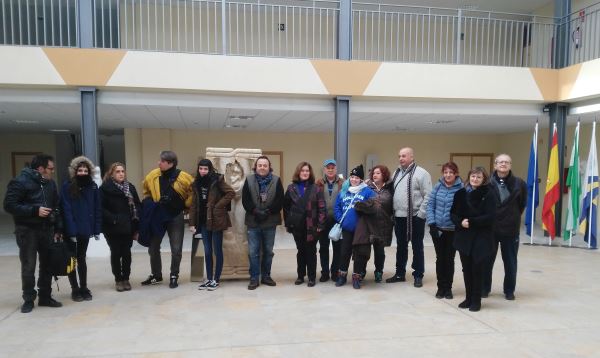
column 204, row 285
column 212, row 285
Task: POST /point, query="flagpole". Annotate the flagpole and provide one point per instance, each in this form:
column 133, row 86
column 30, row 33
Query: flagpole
column 535, row 150
column 554, row 130
column 589, row 221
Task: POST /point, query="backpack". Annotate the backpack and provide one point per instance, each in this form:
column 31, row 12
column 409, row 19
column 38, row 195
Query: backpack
column 60, row 259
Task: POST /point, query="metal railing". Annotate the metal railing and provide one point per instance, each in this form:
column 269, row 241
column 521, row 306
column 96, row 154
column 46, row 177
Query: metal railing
column 434, row 35
column 583, row 35
column 212, row 26
column 38, row 22
column 308, row 29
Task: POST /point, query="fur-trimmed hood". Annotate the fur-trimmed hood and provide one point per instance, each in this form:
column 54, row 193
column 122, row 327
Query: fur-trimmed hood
column 75, row 163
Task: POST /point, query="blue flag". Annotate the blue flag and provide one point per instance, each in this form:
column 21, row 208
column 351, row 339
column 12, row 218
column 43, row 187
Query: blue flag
column 588, row 216
column 533, row 196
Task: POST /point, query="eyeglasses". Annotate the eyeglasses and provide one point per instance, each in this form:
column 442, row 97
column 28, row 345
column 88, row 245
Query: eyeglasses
column 503, row 162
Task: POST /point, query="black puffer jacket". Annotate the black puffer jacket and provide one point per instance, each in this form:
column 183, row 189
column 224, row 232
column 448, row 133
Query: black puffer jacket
column 479, row 207
column 116, row 214
column 26, row 193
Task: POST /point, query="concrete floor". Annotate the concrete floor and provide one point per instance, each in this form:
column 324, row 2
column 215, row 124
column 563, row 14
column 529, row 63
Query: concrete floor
column 556, row 314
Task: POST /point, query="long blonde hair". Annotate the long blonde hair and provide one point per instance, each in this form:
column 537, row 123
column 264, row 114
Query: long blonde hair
column 111, row 170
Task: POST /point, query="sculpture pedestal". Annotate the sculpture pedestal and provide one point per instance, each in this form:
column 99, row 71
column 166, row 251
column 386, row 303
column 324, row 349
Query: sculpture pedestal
column 235, row 165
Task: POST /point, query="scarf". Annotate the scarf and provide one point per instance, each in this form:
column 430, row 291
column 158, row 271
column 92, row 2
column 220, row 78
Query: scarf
column 357, row 189
column 263, row 182
column 410, row 171
column 124, row 187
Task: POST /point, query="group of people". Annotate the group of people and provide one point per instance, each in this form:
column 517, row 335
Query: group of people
column 472, row 217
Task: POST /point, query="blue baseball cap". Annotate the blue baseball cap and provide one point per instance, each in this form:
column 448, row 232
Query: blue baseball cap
column 329, row 161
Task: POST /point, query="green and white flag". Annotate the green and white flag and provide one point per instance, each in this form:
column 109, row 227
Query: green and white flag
column 574, row 184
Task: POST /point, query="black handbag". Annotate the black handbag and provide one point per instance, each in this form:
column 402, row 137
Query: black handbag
column 61, row 260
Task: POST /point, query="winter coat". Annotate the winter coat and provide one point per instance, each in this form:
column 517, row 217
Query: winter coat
column 252, row 203
column 26, row 193
column 376, row 217
column 83, row 213
column 508, row 213
column 421, row 187
column 479, row 206
column 440, row 203
column 219, row 199
column 116, row 213
column 343, row 202
column 313, row 214
column 182, row 186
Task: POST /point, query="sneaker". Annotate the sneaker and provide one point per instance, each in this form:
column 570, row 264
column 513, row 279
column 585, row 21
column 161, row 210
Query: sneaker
column 173, row 281
column 267, row 280
column 49, row 302
column 27, row 306
column 212, row 285
column 86, row 294
column 341, row 280
column 253, row 284
column 204, row 285
column 378, row 276
column 324, row 277
column 119, row 286
column 76, row 295
column 126, row 285
column 151, row 280
column 396, row 278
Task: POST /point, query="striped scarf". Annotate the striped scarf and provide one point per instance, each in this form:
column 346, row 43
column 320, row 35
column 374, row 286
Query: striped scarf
column 124, row 187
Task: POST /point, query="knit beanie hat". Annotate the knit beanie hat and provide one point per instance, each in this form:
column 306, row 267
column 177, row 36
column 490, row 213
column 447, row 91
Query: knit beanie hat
column 358, row 171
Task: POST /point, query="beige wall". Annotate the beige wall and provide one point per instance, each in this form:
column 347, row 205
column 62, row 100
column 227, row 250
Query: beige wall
column 432, row 150
column 20, row 143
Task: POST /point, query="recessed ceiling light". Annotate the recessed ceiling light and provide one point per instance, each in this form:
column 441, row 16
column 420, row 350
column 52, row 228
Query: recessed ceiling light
column 442, row 121
column 59, row 130
column 400, row 129
column 234, row 126
column 22, row 121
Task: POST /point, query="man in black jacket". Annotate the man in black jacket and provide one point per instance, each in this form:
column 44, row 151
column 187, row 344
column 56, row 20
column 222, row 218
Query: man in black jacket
column 32, row 199
column 511, row 199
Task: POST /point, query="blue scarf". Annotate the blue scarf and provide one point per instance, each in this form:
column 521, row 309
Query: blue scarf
column 263, row 182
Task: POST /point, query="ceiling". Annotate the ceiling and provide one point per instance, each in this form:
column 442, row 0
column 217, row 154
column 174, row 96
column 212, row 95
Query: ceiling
column 46, row 111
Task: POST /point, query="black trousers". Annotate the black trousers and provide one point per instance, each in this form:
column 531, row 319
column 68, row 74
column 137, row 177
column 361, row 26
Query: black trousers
column 346, row 249
column 34, row 241
column 306, row 257
column 509, row 248
column 120, row 255
column 379, row 256
column 324, row 248
column 444, row 260
column 80, row 250
column 473, row 275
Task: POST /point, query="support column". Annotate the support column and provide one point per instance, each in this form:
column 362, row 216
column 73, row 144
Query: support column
column 344, row 47
column 89, row 123
column 342, row 133
column 85, row 12
column 558, row 115
column 562, row 9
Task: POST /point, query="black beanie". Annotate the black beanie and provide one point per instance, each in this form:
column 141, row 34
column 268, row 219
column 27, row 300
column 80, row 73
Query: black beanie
column 358, row 171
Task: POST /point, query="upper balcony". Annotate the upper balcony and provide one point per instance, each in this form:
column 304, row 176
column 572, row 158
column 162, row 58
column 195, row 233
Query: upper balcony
column 308, row 29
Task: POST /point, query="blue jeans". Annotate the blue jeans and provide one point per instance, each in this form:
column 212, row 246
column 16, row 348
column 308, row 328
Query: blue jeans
column 213, row 244
column 418, row 232
column 260, row 241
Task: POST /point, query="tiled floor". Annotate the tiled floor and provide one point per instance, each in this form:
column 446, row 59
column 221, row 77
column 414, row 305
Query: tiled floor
column 556, row 314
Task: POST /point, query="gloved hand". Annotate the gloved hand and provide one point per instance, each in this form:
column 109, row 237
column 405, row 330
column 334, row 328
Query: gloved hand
column 96, row 237
column 434, row 231
column 73, row 239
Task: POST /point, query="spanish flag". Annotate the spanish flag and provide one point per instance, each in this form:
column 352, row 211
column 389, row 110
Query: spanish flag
column 552, row 188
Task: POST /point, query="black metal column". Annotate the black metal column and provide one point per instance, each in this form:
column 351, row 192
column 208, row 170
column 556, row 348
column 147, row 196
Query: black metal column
column 89, row 123
column 85, row 18
column 342, row 133
column 562, row 9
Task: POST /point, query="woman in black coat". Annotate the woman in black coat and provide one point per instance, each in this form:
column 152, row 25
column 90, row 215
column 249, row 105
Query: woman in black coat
column 121, row 210
column 473, row 213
